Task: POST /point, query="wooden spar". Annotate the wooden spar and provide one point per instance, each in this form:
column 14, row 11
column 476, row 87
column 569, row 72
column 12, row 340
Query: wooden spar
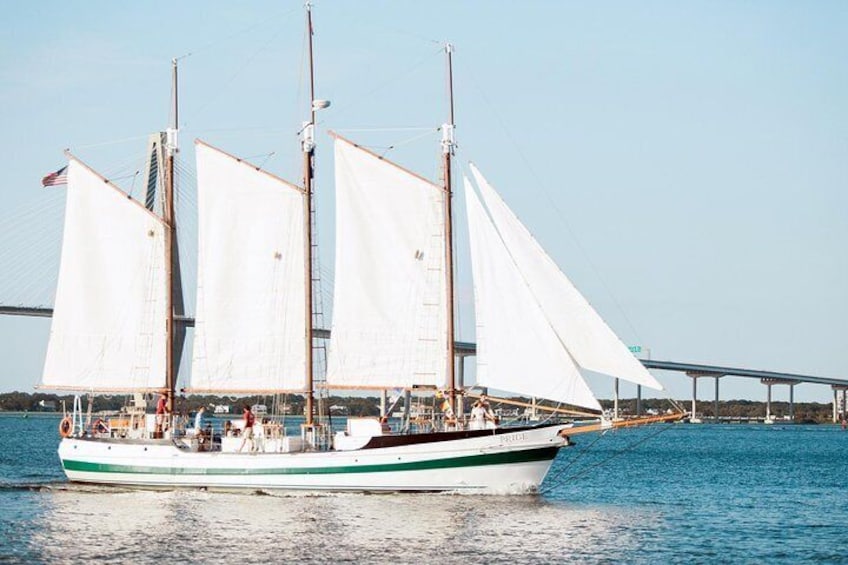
column 553, row 409
column 308, row 171
column 447, row 151
column 245, row 391
column 406, row 171
column 268, row 174
column 630, row 423
column 91, row 390
column 170, row 243
column 414, row 388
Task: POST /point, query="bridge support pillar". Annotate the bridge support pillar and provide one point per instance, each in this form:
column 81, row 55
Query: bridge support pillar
column 792, row 402
column 638, row 400
column 840, row 409
column 771, row 381
column 835, row 412
column 615, row 413
column 768, row 402
column 694, row 375
column 715, row 412
column 694, row 398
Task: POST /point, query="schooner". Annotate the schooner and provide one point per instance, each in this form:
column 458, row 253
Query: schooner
column 392, row 326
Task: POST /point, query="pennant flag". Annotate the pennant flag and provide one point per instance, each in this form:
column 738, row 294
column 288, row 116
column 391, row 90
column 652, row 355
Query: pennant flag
column 57, row 178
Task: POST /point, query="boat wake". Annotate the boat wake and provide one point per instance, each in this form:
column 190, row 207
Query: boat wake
column 31, row 485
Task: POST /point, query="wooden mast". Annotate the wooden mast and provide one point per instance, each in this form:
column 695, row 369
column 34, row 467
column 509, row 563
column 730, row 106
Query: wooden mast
column 169, row 218
column 448, row 144
column 308, row 146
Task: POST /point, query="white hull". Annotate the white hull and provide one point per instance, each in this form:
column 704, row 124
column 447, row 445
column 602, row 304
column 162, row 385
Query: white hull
column 505, row 462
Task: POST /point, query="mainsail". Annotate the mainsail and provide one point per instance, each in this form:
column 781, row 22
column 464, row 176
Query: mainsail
column 250, row 321
column 517, row 351
column 108, row 329
column 389, row 321
column 589, row 340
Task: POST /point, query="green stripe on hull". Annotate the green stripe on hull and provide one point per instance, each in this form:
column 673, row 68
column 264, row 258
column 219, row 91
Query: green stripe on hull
column 541, row 454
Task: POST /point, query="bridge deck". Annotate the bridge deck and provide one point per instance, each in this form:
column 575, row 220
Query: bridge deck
column 466, row 349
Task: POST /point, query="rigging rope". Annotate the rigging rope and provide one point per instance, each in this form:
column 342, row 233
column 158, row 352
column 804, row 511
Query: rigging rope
column 408, row 141
column 583, row 472
column 353, row 100
column 265, row 21
column 562, row 218
column 111, row 142
column 217, row 92
column 359, row 130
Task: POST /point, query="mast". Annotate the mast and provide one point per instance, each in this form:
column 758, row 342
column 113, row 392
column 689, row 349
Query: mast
column 308, row 174
column 448, row 147
column 170, row 238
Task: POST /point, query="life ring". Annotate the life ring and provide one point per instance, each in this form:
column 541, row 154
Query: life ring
column 66, row 426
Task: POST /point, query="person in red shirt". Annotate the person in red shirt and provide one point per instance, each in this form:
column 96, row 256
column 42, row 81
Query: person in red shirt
column 161, row 413
column 249, row 420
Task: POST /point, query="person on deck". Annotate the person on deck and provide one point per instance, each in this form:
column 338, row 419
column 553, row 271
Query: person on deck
column 161, row 413
column 249, row 420
column 198, row 421
column 198, row 427
column 481, row 414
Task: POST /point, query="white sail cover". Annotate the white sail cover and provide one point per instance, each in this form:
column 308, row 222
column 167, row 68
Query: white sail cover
column 589, row 340
column 250, row 330
column 109, row 317
column 517, row 351
column 389, row 314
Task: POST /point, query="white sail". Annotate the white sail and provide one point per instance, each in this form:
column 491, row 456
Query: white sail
column 108, row 327
column 588, row 339
column 389, row 318
column 250, row 320
column 517, row 351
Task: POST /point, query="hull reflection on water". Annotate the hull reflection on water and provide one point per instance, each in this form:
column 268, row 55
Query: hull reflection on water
column 92, row 523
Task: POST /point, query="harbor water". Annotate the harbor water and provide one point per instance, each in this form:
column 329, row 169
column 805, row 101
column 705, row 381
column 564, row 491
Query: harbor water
column 667, row 493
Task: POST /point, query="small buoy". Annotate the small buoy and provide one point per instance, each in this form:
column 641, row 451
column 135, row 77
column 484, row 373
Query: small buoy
column 66, row 426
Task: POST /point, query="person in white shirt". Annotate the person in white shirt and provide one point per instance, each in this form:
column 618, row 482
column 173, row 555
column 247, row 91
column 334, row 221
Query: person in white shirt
column 481, row 413
column 198, row 421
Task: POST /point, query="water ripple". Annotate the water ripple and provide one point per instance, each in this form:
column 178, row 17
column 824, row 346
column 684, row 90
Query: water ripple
column 703, row 494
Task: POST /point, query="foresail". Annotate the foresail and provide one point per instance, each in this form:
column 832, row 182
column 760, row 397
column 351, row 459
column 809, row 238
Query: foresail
column 389, row 322
column 250, row 320
column 589, row 340
column 108, row 327
column 516, row 350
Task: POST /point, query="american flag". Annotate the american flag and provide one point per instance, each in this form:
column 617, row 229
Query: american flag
column 57, row 178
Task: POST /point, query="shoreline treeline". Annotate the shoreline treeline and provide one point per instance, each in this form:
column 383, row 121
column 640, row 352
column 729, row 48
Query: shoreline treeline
column 805, row 412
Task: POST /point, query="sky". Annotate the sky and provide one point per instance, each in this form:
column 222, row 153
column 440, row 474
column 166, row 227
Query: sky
column 683, row 163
